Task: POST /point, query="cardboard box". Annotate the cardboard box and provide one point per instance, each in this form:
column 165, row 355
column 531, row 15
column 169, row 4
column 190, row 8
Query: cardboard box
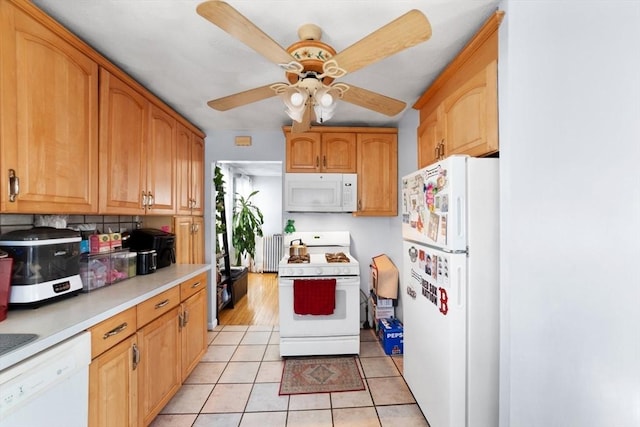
column 383, row 302
column 115, row 240
column 99, row 243
column 384, row 277
column 391, row 335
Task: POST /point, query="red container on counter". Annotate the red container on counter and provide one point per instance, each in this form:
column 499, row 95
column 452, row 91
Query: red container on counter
column 5, row 283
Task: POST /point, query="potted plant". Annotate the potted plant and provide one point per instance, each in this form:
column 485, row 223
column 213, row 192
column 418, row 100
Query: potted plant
column 247, row 224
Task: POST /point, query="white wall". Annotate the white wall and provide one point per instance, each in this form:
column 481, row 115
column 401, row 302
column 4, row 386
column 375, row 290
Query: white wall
column 269, row 200
column 570, row 220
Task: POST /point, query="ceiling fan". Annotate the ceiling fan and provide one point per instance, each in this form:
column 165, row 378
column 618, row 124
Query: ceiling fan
column 311, row 66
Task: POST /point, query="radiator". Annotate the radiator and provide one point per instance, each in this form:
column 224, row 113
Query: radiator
column 272, row 252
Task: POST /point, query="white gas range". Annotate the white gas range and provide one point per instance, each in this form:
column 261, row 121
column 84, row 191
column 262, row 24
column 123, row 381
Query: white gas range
column 319, row 296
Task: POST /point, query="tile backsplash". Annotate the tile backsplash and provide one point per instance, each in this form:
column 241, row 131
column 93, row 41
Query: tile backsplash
column 117, row 223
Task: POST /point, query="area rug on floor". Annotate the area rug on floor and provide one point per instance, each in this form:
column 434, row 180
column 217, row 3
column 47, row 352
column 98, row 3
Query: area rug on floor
column 320, row 375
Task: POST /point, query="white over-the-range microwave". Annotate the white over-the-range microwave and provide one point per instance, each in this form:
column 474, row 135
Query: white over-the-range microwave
column 320, row 192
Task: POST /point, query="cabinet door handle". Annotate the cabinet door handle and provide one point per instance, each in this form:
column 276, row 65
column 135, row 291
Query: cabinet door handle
column 442, row 149
column 195, row 285
column 115, row 331
column 151, row 200
column 136, row 356
column 324, row 161
column 14, row 185
column 162, row 303
column 317, row 162
column 437, row 151
column 180, row 320
column 144, row 198
column 185, row 318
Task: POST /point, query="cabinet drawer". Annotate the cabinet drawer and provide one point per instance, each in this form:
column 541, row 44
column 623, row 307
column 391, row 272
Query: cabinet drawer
column 192, row 286
column 110, row 332
column 158, row 305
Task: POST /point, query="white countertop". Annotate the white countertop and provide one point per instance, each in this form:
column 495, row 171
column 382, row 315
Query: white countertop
column 57, row 321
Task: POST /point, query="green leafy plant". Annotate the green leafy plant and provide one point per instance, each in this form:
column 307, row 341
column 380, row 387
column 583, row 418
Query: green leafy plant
column 218, row 182
column 247, row 224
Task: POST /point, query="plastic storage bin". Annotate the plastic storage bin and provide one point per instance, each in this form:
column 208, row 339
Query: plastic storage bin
column 102, row 269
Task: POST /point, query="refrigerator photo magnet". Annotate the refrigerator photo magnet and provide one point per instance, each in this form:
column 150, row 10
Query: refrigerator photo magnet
column 432, row 230
column 434, row 266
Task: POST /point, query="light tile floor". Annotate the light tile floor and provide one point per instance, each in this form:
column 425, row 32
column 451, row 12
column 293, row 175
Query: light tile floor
column 237, row 382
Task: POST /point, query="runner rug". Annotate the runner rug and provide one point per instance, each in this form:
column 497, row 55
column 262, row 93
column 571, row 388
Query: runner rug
column 320, row 375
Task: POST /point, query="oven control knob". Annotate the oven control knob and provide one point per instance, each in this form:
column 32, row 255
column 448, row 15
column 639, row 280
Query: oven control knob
column 300, row 272
column 318, row 271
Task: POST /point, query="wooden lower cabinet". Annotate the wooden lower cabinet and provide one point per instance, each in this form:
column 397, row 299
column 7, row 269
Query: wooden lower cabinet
column 113, row 387
column 159, row 370
column 134, row 373
column 194, row 331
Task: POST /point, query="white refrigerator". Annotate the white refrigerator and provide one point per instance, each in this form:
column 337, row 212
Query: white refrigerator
column 451, row 297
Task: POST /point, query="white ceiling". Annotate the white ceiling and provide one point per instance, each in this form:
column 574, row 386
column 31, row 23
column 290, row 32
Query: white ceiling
column 186, row 61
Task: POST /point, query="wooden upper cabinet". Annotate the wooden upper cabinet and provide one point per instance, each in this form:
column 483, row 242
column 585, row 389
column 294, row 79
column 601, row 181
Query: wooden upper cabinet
column 183, row 169
column 161, row 165
column 137, row 152
column 430, row 138
column 303, row 152
column 321, row 152
column 459, row 111
column 338, row 153
column 197, row 175
column 471, row 115
column 377, row 174
column 190, row 171
column 123, row 132
column 48, row 119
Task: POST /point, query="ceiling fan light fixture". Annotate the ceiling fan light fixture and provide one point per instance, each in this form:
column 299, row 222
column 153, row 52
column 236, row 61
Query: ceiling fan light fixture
column 296, row 99
column 326, row 100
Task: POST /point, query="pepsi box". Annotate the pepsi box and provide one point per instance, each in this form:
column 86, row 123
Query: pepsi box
column 391, row 335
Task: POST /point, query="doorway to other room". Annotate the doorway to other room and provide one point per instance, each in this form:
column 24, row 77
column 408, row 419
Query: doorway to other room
column 251, row 296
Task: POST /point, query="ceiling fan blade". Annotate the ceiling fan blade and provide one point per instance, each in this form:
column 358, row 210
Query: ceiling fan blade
column 373, row 101
column 404, row 32
column 242, row 98
column 233, row 22
column 305, row 124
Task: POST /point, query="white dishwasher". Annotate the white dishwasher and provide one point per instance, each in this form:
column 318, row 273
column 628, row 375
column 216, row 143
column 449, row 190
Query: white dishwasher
column 49, row 389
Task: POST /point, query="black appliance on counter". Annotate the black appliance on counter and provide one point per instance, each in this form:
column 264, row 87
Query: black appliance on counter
column 164, row 243
column 46, row 263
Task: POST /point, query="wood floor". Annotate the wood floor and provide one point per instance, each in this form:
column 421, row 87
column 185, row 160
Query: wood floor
column 258, row 307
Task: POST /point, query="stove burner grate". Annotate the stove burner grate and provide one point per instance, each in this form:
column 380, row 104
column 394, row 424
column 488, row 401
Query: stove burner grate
column 336, row 257
column 299, row 259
